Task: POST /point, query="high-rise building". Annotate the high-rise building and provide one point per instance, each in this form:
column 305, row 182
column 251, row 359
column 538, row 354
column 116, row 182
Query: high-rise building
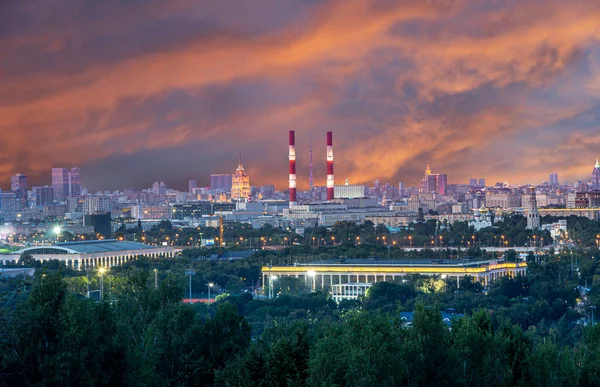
column 434, row 182
column 43, row 195
column 533, row 216
column 159, row 188
column 74, row 182
column 221, row 182
column 473, row 182
column 60, row 183
column 482, row 183
column 10, row 204
column 240, row 183
column 191, row 185
column 554, row 179
column 18, row 185
column 596, row 176
column 441, row 183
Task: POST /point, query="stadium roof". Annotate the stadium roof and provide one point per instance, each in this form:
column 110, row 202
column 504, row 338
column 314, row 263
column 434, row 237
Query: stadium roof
column 103, row 246
column 86, row 247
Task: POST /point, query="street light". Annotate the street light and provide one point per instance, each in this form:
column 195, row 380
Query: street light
column 271, row 280
column 101, row 271
column 312, row 274
column 210, row 285
column 190, row 273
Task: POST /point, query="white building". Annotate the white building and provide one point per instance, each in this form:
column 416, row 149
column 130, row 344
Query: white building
column 557, row 230
column 349, row 191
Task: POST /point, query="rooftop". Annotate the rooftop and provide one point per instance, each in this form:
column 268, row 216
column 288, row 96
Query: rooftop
column 398, row 262
column 103, row 246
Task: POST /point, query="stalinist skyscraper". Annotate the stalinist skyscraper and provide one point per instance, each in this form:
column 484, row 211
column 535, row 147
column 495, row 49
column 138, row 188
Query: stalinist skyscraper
column 240, row 182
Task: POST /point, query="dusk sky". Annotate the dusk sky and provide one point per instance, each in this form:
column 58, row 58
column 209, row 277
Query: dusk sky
column 134, row 91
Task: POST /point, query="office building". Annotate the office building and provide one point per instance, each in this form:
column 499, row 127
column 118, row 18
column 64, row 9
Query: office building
column 554, row 179
column 221, row 182
column 473, row 182
column 95, row 204
column 101, row 224
column 60, row 183
column 349, row 191
column 159, row 188
column 10, row 204
column 151, row 212
column 434, row 183
column 192, row 184
column 43, row 195
column 482, row 183
column 74, row 182
column 74, row 204
column 194, row 210
column 18, row 185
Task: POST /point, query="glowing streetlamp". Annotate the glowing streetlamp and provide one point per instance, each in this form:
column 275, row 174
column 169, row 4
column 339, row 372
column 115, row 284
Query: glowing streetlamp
column 312, row 274
column 101, row 271
column 271, row 280
column 210, row 285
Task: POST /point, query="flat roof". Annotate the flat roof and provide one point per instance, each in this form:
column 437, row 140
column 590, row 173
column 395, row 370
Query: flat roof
column 103, row 246
column 399, row 262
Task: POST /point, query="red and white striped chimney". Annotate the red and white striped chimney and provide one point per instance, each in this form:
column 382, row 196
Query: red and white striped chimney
column 330, row 181
column 292, row 157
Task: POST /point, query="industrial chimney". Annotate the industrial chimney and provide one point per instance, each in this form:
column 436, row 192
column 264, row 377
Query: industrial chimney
column 292, row 157
column 330, row 181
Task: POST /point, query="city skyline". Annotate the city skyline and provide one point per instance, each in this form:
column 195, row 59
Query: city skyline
column 504, row 91
column 552, row 181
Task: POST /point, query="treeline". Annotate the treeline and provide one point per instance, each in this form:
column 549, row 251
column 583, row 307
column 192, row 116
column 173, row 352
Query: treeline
column 146, row 336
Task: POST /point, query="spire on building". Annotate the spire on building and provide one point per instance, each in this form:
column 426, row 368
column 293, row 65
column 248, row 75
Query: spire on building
column 428, row 170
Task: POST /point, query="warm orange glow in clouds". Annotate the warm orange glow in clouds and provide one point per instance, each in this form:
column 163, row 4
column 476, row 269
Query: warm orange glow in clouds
column 504, row 90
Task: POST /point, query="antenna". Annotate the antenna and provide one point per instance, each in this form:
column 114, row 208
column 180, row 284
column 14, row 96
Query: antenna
column 311, row 167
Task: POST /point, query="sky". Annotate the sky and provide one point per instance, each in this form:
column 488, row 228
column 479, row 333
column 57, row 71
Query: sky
column 134, row 91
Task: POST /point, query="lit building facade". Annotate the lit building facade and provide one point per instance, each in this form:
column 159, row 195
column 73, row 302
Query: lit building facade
column 240, row 183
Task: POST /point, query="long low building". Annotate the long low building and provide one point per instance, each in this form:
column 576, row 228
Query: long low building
column 96, row 253
column 325, row 274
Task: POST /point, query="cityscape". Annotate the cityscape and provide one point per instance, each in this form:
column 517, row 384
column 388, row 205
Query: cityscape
column 299, row 193
column 64, row 203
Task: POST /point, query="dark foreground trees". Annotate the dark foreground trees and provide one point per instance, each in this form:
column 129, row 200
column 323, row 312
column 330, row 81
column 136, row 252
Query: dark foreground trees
column 146, row 336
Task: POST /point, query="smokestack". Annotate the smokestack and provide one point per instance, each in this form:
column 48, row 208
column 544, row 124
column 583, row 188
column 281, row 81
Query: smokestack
column 330, row 166
column 292, row 157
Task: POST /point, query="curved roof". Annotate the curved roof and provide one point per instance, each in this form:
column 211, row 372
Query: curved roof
column 87, row 247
